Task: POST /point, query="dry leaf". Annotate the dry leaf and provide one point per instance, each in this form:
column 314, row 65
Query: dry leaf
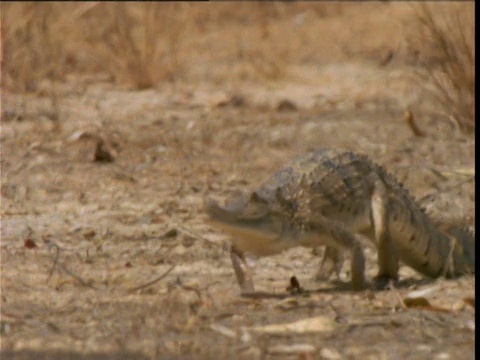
column 416, row 302
column 286, row 105
column 470, row 300
column 223, row 330
column 330, row 354
column 173, row 232
column 30, row 244
column 309, row 325
column 103, row 153
column 82, row 134
column 291, row 349
column 458, row 305
column 418, row 299
column 288, row 303
column 422, row 293
column 89, row 234
column 235, row 100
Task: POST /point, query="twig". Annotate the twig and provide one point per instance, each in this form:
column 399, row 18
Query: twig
column 428, row 317
column 76, row 277
column 57, row 255
column 409, row 118
column 64, row 268
column 438, row 174
column 154, row 281
column 189, row 288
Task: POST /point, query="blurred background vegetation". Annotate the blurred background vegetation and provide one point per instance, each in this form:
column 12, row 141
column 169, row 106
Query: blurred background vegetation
column 141, row 45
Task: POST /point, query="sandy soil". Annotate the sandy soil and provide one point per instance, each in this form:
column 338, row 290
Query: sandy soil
column 81, row 239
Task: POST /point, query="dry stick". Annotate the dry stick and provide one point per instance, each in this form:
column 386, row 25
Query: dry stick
column 55, row 262
column 57, row 255
column 189, row 288
column 438, row 174
column 64, row 268
column 154, row 281
column 76, row 277
column 409, row 118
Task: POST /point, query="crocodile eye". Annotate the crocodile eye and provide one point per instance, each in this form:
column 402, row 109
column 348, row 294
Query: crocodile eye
column 257, row 198
column 254, row 211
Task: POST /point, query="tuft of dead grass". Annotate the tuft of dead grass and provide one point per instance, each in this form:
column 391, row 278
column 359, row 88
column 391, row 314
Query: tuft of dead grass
column 143, row 44
column 447, row 33
column 138, row 43
column 32, row 44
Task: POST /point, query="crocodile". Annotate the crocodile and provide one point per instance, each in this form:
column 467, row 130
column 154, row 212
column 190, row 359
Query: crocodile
column 336, row 198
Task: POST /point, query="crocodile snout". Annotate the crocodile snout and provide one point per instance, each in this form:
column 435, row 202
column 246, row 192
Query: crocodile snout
column 227, row 213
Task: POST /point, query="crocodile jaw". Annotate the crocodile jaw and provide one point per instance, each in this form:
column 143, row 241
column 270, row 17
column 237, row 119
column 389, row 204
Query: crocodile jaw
column 259, row 235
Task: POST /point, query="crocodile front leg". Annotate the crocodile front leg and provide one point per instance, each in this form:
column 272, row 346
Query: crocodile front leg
column 242, row 271
column 331, row 263
column 344, row 240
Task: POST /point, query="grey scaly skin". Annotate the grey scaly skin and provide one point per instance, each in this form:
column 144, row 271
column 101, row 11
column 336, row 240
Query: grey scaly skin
column 330, row 197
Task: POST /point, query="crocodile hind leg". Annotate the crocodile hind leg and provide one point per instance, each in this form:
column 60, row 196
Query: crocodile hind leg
column 343, row 239
column 387, row 256
column 242, row 271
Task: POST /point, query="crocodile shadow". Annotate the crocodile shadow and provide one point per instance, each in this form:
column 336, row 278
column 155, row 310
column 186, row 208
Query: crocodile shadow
column 339, row 286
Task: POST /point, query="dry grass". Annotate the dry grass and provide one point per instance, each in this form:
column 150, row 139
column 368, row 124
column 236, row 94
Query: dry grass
column 143, row 44
column 139, row 44
column 448, row 33
column 32, row 44
column 134, row 43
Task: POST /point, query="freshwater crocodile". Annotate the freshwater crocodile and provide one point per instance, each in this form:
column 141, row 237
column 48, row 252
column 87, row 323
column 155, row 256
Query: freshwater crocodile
column 333, row 197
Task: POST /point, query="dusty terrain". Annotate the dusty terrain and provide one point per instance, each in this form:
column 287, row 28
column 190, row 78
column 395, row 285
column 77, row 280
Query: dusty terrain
column 82, row 239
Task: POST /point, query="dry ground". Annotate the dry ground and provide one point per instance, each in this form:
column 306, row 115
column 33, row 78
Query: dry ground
column 78, row 236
